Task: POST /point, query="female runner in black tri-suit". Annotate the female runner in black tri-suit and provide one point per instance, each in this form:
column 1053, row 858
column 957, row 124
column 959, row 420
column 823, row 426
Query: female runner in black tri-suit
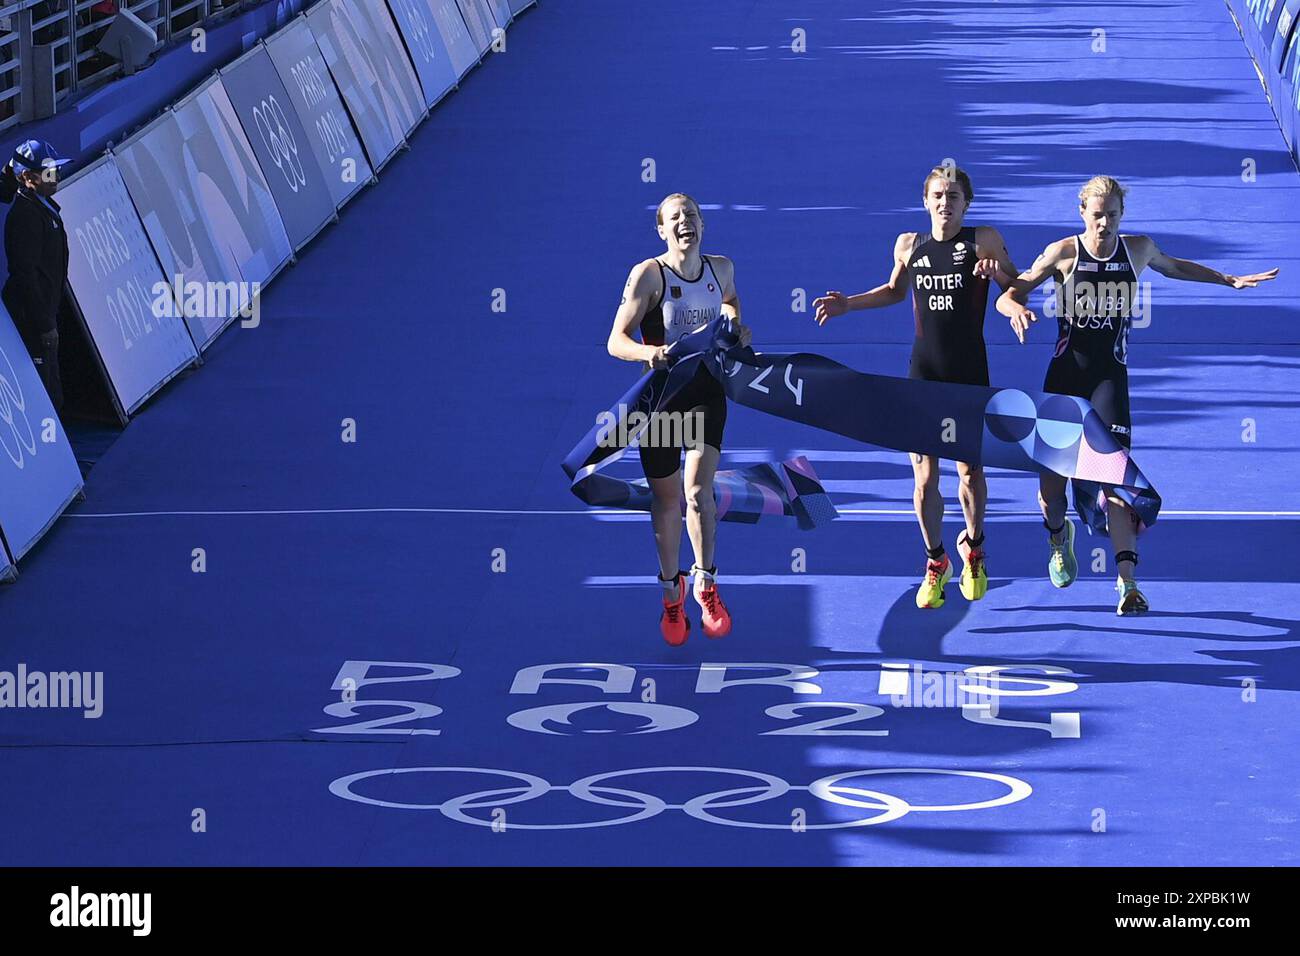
column 1096, row 293
column 948, row 269
column 677, row 292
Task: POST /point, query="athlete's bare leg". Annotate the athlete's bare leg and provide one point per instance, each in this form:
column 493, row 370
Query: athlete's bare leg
column 666, row 517
column 701, row 509
column 973, row 493
column 1051, row 498
column 926, row 498
column 1123, row 523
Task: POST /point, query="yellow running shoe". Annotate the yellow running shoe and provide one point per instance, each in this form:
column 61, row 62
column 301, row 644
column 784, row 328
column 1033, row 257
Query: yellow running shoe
column 974, row 579
column 937, row 574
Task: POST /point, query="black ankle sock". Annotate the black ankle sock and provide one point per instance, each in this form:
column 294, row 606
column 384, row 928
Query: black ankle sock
column 935, row 554
column 1054, row 531
column 975, row 543
column 1126, row 556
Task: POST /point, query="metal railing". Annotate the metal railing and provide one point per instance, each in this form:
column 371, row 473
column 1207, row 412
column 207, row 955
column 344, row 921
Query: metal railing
column 34, row 32
column 11, row 87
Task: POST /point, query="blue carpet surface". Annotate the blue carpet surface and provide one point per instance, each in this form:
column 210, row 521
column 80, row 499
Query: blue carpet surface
column 223, row 689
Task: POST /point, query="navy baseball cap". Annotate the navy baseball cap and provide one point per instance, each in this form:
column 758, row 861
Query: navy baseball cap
column 37, row 155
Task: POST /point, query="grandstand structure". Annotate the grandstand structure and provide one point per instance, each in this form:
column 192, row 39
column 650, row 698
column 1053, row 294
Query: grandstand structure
column 54, row 41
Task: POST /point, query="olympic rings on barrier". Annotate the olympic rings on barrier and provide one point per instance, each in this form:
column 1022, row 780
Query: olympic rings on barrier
column 419, row 30
column 644, row 806
column 279, row 142
column 13, row 415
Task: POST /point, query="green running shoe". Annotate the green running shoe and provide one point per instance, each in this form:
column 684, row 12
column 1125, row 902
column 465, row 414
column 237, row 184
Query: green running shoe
column 1062, row 566
column 1131, row 600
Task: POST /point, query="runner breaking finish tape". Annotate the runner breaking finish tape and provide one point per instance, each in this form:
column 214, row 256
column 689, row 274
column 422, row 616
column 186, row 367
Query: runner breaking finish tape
column 679, row 291
column 948, row 268
column 1097, row 298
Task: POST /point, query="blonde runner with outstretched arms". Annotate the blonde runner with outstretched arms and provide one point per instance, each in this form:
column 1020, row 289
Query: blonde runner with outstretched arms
column 1097, row 292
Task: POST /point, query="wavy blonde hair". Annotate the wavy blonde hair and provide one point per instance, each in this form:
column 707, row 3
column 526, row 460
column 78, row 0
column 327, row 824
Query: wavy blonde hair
column 1102, row 187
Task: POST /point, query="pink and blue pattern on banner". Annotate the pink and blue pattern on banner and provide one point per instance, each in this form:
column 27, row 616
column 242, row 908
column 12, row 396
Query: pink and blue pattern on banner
column 1064, row 434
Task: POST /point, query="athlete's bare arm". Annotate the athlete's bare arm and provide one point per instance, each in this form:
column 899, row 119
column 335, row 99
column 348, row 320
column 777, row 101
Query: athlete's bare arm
column 641, row 291
column 726, row 270
column 1144, row 252
column 1056, row 260
column 994, row 260
column 891, row 293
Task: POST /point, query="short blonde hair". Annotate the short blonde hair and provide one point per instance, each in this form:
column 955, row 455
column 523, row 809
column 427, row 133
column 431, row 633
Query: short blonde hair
column 1103, row 187
column 953, row 174
column 659, row 213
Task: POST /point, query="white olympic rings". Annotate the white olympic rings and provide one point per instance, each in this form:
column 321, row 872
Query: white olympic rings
column 419, row 28
column 279, row 141
column 13, row 415
column 643, row 806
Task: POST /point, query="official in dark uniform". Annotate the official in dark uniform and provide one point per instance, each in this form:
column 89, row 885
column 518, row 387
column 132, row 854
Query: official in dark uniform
column 36, row 245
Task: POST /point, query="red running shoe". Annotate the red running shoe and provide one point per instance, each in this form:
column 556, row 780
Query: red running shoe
column 714, row 616
column 674, row 624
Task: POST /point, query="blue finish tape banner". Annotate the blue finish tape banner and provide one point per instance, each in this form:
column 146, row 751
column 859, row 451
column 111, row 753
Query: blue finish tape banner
column 115, row 279
column 424, row 43
column 38, row 473
column 280, row 143
column 380, row 116
column 316, row 101
column 786, row 488
column 480, row 23
column 994, row 427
